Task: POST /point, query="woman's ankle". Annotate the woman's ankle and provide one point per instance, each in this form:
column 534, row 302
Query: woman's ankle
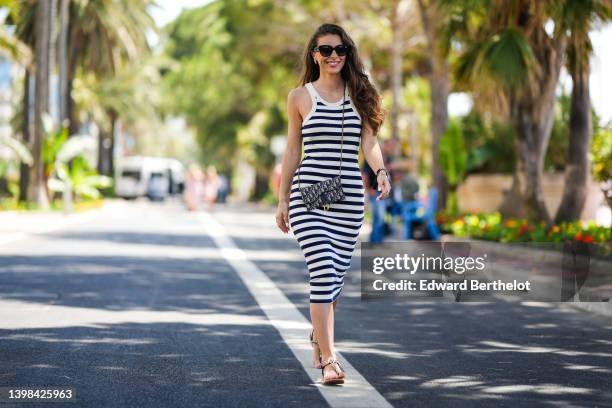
column 329, row 357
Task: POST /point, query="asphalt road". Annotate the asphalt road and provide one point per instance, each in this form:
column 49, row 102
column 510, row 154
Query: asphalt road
column 139, row 307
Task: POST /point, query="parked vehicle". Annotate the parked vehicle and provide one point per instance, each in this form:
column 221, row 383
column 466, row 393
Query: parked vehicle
column 176, row 176
column 158, row 188
column 154, row 177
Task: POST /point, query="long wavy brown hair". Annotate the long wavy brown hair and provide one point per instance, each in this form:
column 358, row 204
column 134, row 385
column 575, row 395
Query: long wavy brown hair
column 364, row 95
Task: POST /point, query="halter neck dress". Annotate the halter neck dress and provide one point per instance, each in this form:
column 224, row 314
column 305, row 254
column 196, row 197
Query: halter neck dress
column 327, row 238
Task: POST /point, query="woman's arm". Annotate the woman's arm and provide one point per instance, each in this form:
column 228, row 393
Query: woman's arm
column 373, row 155
column 291, row 159
column 293, row 150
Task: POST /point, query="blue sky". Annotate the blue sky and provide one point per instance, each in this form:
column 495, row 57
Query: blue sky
column 601, row 64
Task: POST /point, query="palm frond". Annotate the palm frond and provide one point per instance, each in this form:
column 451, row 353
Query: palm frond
column 505, row 57
column 75, row 146
column 13, row 7
column 14, row 49
column 114, row 30
column 19, row 149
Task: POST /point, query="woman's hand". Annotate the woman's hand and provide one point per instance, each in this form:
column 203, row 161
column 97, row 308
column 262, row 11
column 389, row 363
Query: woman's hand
column 282, row 216
column 384, row 184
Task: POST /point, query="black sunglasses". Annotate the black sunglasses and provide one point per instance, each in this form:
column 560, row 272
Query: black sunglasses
column 326, row 50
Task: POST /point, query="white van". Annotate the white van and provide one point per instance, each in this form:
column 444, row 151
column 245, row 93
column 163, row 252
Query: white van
column 176, row 176
column 136, row 175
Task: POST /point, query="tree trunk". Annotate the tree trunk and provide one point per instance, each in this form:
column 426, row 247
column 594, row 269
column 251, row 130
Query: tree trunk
column 529, row 161
column 606, row 189
column 262, row 181
column 531, row 114
column 102, row 154
column 71, row 114
column 440, row 88
column 577, row 166
column 63, row 60
column 24, row 169
column 106, row 147
column 396, row 71
column 75, row 48
column 111, row 150
column 529, row 118
column 37, row 191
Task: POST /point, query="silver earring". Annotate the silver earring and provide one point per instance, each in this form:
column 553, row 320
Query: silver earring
column 315, row 61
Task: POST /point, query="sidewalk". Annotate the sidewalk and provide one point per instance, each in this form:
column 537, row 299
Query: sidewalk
column 16, row 225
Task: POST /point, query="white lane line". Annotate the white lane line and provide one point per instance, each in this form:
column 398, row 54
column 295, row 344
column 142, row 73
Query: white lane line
column 291, row 324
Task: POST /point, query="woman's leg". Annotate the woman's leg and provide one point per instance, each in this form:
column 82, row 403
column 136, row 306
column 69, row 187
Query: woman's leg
column 319, row 314
column 322, row 315
column 330, row 327
column 330, row 331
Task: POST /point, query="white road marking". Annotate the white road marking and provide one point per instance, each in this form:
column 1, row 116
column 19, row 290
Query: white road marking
column 291, row 324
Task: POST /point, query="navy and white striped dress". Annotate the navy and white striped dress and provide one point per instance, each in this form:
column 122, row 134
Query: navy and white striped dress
column 328, row 238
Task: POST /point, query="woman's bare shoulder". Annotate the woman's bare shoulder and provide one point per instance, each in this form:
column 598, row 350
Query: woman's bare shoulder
column 300, row 99
column 298, row 94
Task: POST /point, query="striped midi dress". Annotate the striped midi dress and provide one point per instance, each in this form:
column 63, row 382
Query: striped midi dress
column 327, row 238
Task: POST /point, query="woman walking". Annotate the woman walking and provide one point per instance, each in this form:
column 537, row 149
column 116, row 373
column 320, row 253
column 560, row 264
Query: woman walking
column 334, row 111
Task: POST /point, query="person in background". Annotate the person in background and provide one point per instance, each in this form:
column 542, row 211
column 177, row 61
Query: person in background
column 223, row 188
column 194, row 187
column 378, row 207
column 211, row 186
column 277, row 172
column 408, row 182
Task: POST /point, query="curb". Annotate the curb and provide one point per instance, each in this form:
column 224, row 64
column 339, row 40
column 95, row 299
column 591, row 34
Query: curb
column 597, row 266
column 598, row 308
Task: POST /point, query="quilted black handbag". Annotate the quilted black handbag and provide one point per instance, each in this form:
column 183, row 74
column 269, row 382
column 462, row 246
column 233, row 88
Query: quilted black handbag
column 326, row 192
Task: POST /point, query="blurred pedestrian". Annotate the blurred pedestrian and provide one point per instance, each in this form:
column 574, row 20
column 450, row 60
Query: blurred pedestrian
column 223, row 188
column 276, row 178
column 211, row 186
column 406, row 189
column 378, row 208
column 408, row 183
column 194, row 187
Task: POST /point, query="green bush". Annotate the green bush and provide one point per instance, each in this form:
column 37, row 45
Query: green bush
column 491, row 227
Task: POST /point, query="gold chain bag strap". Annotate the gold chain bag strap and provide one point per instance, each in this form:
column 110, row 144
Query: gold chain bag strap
column 326, row 192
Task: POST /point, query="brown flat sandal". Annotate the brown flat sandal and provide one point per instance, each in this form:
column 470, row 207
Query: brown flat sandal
column 338, row 368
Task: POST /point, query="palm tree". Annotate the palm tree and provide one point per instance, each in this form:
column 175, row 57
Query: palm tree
column 36, row 189
column 129, row 95
column 64, row 22
column 10, row 45
column 96, row 36
column 21, row 52
column 106, row 33
column 434, row 18
column 512, row 51
column 102, row 34
column 578, row 16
